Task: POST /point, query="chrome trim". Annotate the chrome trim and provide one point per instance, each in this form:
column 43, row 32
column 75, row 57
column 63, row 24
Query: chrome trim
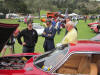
column 57, row 66
column 67, row 56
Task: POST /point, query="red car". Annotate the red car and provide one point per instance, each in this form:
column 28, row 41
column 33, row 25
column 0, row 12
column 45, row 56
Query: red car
column 95, row 29
column 91, row 24
column 82, row 58
column 52, row 14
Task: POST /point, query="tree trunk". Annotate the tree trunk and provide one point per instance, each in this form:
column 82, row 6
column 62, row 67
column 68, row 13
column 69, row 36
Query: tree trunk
column 39, row 12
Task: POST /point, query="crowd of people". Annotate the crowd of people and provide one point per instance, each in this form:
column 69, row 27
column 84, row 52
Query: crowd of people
column 30, row 36
column 53, row 26
column 85, row 17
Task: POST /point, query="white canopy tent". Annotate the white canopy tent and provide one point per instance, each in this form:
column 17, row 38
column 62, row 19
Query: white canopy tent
column 73, row 14
column 1, row 14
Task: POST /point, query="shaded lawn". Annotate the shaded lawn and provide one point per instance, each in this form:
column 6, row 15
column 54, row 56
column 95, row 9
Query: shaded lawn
column 84, row 32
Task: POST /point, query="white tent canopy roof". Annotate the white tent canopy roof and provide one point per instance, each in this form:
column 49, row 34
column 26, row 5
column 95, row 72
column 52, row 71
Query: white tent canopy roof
column 1, row 14
column 73, row 14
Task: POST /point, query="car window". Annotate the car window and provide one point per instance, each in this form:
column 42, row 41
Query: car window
column 51, row 58
column 80, row 64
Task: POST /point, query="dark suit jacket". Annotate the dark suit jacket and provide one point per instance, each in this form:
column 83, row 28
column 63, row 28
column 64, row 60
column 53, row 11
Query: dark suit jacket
column 49, row 40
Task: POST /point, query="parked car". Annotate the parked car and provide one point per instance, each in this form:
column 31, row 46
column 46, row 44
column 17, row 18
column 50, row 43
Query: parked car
column 2, row 16
column 52, row 14
column 80, row 17
column 81, row 58
column 95, row 29
column 43, row 16
column 12, row 16
column 38, row 28
column 92, row 24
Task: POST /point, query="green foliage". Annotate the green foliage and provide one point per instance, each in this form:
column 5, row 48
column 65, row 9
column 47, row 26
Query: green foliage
column 17, row 6
column 76, row 11
column 35, row 6
column 43, row 12
column 98, row 9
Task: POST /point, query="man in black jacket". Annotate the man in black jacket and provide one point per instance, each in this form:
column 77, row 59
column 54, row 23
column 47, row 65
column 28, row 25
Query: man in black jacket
column 30, row 37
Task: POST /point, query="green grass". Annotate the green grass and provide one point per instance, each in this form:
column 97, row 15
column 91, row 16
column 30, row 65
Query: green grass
column 43, row 12
column 84, row 32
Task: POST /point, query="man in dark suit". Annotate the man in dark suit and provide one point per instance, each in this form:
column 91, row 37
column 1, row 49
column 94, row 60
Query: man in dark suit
column 49, row 34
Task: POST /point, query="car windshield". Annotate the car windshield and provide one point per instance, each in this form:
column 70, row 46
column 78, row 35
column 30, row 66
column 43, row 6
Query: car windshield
column 50, row 59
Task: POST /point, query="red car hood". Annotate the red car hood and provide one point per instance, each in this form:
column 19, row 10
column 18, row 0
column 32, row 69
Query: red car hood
column 80, row 46
column 6, row 30
column 23, row 54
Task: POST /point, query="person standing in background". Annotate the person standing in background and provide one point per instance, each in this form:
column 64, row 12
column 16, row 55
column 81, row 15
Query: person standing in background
column 30, row 37
column 58, row 24
column 53, row 22
column 49, row 34
column 85, row 18
column 71, row 36
column 68, row 22
column 15, row 34
column 25, row 20
column 98, row 26
column 10, row 44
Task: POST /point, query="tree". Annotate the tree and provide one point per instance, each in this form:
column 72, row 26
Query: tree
column 38, row 5
column 76, row 11
column 15, row 6
column 35, row 6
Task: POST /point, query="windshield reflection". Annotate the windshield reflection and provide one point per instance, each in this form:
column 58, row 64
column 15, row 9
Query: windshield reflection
column 49, row 60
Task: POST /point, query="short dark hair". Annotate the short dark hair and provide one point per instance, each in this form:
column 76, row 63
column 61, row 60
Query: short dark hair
column 28, row 22
column 48, row 21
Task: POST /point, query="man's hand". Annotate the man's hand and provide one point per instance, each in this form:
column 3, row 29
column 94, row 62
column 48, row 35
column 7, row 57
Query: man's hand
column 23, row 43
column 44, row 33
column 49, row 34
